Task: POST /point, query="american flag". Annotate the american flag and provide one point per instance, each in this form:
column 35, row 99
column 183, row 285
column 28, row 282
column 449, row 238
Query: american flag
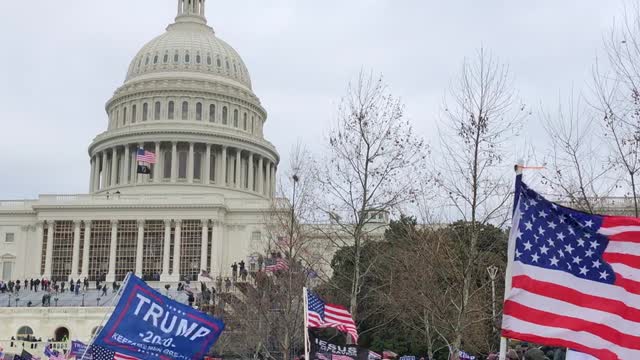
column 278, row 264
column 145, row 156
column 100, row 353
column 321, row 315
column 575, row 279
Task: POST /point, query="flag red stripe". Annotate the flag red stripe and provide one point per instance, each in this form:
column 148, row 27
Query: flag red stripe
column 627, row 236
column 601, row 354
column 612, row 221
column 629, row 285
column 629, row 260
column 562, row 293
column 545, row 318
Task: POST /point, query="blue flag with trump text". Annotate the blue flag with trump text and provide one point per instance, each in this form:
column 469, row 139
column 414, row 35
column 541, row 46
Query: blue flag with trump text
column 147, row 325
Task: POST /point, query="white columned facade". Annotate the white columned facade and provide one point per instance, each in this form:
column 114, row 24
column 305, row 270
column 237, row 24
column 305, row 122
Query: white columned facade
column 75, row 258
column 260, row 187
column 92, row 176
column 267, row 176
column 39, row 239
column 207, row 165
column 250, row 165
column 139, row 248
column 223, row 167
column 85, row 251
column 111, row 274
column 219, row 243
column 166, row 253
column 96, row 174
column 104, row 170
column 127, row 164
column 190, row 164
column 49, row 254
column 157, row 167
column 176, row 250
column 273, row 180
column 204, row 246
column 114, row 166
column 140, row 176
column 238, row 168
column 214, row 251
column 174, row 162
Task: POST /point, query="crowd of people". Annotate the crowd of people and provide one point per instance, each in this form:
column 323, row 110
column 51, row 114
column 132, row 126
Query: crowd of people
column 45, row 285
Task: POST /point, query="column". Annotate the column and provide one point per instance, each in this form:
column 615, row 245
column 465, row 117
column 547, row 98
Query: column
column 223, row 166
column 96, row 175
column 207, row 165
column 139, row 248
column 104, row 170
column 174, row 162
column 39, row 236
column 49, row 254
column 267, row 180
column 273, row 180
column 203, row 246
column 127, row 164
column 114, row 166
column 190, row 164
column 250, row 172
column 220, row 245
column 111, row 275
column 85, row 252
column 140, row 176
column 260, row 187
column 157, row 167
column 214, row 251
column 75, row 259
column 92, row 176
column 166, row 250
column 176, row 251
column 238, row 170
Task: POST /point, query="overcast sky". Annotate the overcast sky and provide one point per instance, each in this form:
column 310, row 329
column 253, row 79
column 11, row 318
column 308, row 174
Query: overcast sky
column 62, row 60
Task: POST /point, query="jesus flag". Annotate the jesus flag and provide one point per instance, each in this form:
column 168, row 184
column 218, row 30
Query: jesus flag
column 147, row 325
column 575, row 279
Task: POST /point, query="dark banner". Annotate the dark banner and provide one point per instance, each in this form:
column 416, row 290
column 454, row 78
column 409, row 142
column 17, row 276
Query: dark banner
column 326, row 350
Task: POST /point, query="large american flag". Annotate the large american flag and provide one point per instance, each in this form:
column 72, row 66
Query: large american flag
column 100, row 353
column 145, row 156
column 575, row 279
column 321, row 315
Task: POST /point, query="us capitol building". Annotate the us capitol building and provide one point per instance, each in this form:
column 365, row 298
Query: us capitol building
column 188, row 98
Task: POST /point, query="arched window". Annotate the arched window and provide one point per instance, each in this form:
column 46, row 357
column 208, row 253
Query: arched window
column 224, row 115
column 124, row 116
column 185, row 110
column 165, row 59
column 24, row 333
column 212, row 113
column 197, row 165
column 117, row 120
column 253, row 124
column 209, row 60
column 156, row 111
column 198, row 59
column 182, row 164
column 218, row 62
column 139, row 63
column 176, row 57
column 244, row 122
column 187, row 58
column 155, row 59
column 171, row 110
column 146, row 61
column 166, row 165
column 227, row 61
column 235, row 118
column 134, row 113
column 145, row 111
column 199, row 111
column 235, row 68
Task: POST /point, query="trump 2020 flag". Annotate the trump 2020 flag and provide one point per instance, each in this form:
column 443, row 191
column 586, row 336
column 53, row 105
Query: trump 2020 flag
column 147, row 325
column 575, row 279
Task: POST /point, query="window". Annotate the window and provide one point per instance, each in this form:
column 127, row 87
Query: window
column 24, row 333
column 197, row 166
column 155, row 59
column 146, row 61
column 187, row 58
column 185, row 110
column 208, row 60
column 190, row 248
column 218, row 62
column 134, row 109
column 165, row 59
column 235, row 69
column 176, row 57
column 227, row 61
column 171, row 110
column 235, row 118
column 199, row 111
column 152, row 250
column 198, row 59
column 244, row 122
column 212, row 113
column 62, row 253
column 7, row 271
column 224, row 115
column 124, row 116
column 145, row 111
column 139, row 63
column 253, row 124
column 156, row 111
column 182, row 162
column 126, row 248
column 117, row 119
column 167, row 165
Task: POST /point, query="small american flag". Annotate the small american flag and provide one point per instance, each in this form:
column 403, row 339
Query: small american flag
column 145, row 156
column 278, row 264
column 100, row 353
column 575, row 279
column 322, row 315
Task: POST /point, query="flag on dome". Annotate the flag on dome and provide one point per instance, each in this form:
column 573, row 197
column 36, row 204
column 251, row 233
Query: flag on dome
column 575, row 278
column 322, row 315
column 145, row 156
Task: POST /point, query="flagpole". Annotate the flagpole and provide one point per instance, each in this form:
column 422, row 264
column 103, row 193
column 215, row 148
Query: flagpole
column 306, row 324
column 511, row 250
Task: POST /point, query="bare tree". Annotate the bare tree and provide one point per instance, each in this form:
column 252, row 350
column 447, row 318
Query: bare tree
column 373, row 165
column 618, row 95
column 579, row 170
column 481, row 116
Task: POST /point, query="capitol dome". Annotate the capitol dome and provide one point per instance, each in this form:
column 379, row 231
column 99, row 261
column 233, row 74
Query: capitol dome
column 187, row 98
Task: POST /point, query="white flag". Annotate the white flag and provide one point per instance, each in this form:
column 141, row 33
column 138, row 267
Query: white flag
column 574, row 355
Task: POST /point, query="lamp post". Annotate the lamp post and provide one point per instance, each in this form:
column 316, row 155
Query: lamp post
column 9, row 302
column 83, row 295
